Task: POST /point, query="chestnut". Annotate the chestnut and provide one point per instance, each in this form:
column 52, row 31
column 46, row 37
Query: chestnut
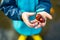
column 40, row 18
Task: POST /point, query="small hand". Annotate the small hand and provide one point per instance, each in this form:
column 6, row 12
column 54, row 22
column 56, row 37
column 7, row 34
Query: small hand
column 42, row 19
column 25, row 17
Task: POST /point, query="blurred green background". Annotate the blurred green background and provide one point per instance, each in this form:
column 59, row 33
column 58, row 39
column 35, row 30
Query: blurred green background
column 50, row 32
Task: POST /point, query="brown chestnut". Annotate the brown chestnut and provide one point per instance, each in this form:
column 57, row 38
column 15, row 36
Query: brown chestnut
column 40, row 18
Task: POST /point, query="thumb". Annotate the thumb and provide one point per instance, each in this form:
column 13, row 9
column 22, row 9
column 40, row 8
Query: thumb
column 48, row 16
column 31, row 14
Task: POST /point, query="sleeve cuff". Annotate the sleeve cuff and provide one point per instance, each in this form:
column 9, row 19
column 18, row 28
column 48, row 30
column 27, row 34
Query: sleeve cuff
column 40, row 10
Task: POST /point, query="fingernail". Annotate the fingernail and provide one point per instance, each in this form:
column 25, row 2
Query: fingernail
column 36, row 27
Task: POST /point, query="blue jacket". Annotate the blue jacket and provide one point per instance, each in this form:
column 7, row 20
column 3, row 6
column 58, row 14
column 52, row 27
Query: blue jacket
column 14, row 8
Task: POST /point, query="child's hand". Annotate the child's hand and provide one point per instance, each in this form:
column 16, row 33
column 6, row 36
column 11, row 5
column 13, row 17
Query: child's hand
column 42, row 22
column 25, row 17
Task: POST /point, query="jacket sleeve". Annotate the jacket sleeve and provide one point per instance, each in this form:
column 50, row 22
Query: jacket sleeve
column 43, row 5
column 10, row 9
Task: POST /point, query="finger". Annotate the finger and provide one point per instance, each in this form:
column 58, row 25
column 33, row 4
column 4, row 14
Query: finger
column 43, row 24
column 31, row 14
column 48, row 16
column 38, row 26
column 35, row 24
column 30, row 24
column 34, row 21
